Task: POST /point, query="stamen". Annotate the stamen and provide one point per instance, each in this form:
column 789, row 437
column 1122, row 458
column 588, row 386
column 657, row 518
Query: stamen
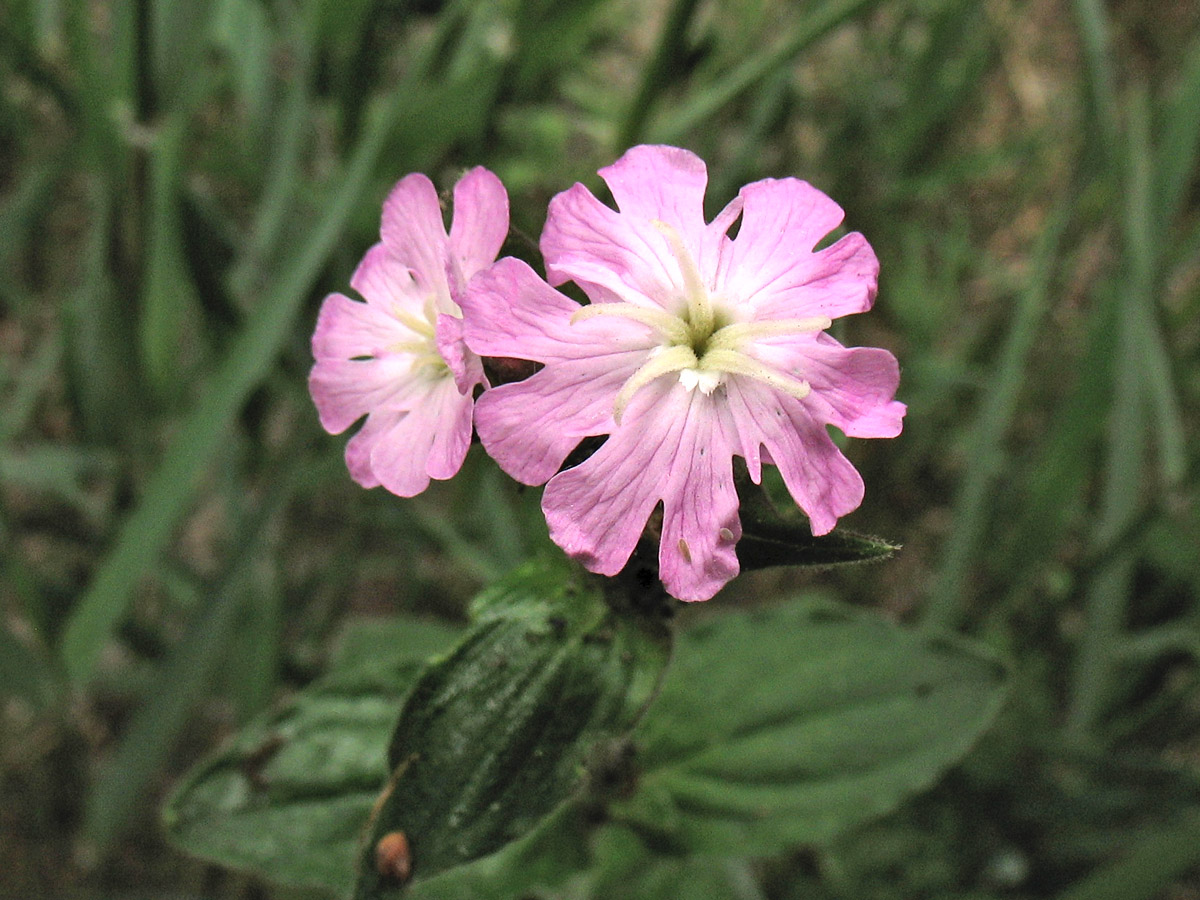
column 671, row 359
column 416, row 348
column 731, row 336
column 737, row 363
column 672, row 328
column 700, row 310
column 423, row 327
column 441, row 303
column 429, row 360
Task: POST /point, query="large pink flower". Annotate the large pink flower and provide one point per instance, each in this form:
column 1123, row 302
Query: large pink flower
column 399, row 358
column 696, row 347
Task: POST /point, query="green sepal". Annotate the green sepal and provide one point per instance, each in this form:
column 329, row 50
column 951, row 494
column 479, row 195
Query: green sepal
column 500, row 732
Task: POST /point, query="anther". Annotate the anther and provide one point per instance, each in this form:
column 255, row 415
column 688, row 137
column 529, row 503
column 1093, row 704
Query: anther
column 669, row 326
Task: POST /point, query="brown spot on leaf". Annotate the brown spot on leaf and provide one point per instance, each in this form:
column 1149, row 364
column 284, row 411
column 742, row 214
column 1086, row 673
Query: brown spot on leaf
column 393, row 858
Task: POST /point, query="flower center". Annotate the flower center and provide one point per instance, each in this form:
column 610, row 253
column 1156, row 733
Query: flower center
column 422, row 347
column 702, row 342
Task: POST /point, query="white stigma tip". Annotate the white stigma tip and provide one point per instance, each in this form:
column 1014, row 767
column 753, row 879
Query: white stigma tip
column 705, row 381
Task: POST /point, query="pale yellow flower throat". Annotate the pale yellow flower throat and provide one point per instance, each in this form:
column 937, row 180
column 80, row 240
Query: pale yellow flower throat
column 701, row 343
column 423, row 346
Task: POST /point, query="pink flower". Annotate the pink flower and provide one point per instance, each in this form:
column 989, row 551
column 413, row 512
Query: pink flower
column 399, row 358
column 696, row 347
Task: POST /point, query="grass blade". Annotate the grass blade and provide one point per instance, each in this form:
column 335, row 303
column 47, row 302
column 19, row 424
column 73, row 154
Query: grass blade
column 656, row 74
column 1179, row 147
column 27, row 386
column 168, row 291
column 750, row 73
column 1142, row 387
column 148, row 529
column 97, row 331
column 292, row 134
column 1141, row 228
column 986, row 449
column 1101, row 79
column 191, row 665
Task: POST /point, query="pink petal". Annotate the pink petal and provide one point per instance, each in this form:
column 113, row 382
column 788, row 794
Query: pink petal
column 348, row 328
column 838, row 281
column 665, row 183
column 480, row 222
column 623, row 257
column 344, row 390
column 853, row 388
column 696, row 556
column 771, row 260
column 509, row 311
column 820, row 479
column 414, row 233
column 453, row 433
column 529, row 427
column 359, row 447
column 716, row 246
column 385, row 282
column 597, row 510
column 429, row 441
column 466, row 367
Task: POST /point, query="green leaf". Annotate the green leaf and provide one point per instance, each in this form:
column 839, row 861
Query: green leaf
column 789, row 725
column 374, row 638
column 288, row 799
column 792, row 544
column 497, row 735
column 771, row 539
column 623, row 867
column 541, row 860
column 1159, row 857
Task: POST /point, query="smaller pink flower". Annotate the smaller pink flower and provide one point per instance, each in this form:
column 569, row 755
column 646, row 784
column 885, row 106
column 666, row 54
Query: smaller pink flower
column 399, row 358
column 696, row 347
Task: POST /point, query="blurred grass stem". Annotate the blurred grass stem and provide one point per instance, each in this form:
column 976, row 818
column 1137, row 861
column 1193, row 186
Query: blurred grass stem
column 150, row 527
column 708, row 102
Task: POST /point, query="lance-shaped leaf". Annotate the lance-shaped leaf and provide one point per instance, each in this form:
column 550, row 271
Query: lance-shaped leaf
column 499, row 734
column 289, row 798
column 792, row 544
column 772, row 539
column 789, row 725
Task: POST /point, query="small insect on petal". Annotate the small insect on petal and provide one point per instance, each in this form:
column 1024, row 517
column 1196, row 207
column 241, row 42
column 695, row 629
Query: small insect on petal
column 725, row 534
column 393, row 859
column 685, row 551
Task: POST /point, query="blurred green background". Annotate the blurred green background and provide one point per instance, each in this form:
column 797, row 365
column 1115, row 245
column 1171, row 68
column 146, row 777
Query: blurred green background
column 181, row 182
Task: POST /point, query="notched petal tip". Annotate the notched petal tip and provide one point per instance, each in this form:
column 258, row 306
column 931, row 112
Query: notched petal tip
column 480, row 221
column 381, row 279
column 413, row 200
